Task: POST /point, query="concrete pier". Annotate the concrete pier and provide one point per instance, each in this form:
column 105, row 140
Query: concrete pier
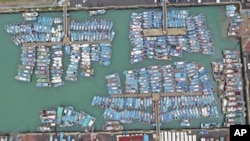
column 164, row 17
column 247, row 95
column 159, row 32
column 156, row 99
column 65, row 16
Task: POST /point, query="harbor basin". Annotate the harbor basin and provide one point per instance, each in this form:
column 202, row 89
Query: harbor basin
column 20, row 102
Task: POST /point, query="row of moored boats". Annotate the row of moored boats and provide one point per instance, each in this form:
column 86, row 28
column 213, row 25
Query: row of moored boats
column 113, row 84
column 181, row 76
column 45, row 29
column 92, row 30
column 49, row 62
column 228, row 74
column 128, row 116
column 48, row 29
column 236, row 20
column 198, row 38
column 122, row 103
column 28, row 61
column 64, row 117
column 178, row 77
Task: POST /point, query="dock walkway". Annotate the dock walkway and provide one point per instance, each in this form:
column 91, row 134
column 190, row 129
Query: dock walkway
column 159, row 32
column 65, row 16
column 164, row 17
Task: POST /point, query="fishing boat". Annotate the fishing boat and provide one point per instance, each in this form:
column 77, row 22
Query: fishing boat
column 113, row 127
column 90, row 123
column 97, row 12
column 30, row 14
column 47, row 112
column 236, row 114
column 30, row 18
column 112, row 122
column 45, row 128
column 22, row 78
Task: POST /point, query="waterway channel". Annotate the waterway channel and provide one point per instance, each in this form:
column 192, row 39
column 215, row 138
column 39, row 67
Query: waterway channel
column 20, row 102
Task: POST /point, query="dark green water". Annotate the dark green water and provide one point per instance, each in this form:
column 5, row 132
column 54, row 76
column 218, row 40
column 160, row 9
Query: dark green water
column 20, row 102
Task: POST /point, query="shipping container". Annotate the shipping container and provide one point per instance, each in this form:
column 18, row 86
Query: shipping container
column 177, row 136
column 190, row 138
column 173, row 136
column 222, row 138
column 166, row 136
column 217, row 1
column 169, row 136
column 182, row 136
column 194, row 137
column 145, row 137
column 199, row 1
column 51, row 137
column 211, row 139
column 163, row 136
column 186, row 137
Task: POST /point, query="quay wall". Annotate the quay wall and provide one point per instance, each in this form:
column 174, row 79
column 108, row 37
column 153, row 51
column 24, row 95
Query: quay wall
column 117, row 133
column 245, row 76
column 246, row 89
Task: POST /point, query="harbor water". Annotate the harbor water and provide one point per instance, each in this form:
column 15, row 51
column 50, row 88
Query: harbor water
column 20, row 102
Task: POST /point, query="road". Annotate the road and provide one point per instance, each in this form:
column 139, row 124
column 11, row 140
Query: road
column 101, row 3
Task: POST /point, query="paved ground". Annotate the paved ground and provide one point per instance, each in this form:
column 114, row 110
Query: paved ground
column 100, row 3
column 248, row 75
column 27, row 3
column 248, row 61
